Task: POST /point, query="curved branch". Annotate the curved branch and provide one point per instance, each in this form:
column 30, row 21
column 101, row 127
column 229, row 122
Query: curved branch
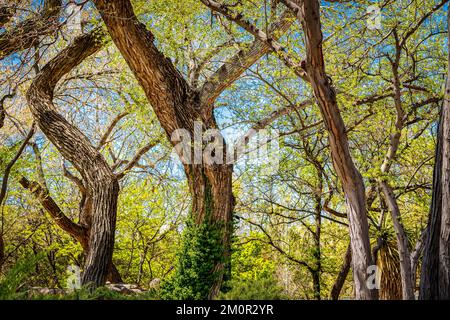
column 133, row 162
column 110, row 128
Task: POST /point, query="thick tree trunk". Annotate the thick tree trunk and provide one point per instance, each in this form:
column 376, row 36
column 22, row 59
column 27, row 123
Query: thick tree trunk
column 101, row 183
column 429, row 276
column 101, row 239
column 213, row 203
column 435, row 276
column 444, row 241
column 177, row 107
column 79, row 231
column 351, row 179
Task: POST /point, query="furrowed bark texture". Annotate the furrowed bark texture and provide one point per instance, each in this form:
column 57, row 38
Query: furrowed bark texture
column 79, row 232
column 102, row 185
column 429, row 276
column 177, row 107
column 435, row 275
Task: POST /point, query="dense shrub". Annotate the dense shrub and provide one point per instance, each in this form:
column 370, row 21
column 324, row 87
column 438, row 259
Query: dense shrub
column 260, row 289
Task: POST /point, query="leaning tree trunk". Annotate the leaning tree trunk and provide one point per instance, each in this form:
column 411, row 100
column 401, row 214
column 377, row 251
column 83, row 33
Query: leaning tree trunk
column 101, row 183
column 351, row 179
column 342, row 275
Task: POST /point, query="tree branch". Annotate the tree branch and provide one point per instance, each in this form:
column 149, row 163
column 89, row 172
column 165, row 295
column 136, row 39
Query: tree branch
column 235, row 66
column 74, row 229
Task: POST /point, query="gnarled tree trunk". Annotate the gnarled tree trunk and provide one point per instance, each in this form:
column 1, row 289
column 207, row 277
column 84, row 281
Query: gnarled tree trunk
column 101, row 183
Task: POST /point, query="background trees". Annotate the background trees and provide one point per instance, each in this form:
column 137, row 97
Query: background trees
column 233, row 66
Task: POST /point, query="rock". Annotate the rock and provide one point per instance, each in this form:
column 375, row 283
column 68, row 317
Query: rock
column 124, row 288
column 47, row 291
column 155, row 283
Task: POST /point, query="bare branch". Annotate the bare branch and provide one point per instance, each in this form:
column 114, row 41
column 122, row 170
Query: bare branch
column 234, row 67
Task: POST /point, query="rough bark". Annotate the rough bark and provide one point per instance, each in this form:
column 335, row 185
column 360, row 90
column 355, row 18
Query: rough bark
column 178, row 106
column 101, row 183
column 66, row 224
column 351, row 179
column 444, row 241
column 429, row 276
column 435, row 275
column 77, row 231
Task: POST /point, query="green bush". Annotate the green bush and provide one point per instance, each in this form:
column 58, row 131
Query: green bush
column 16, row 277
column 200, row 251
column 260, row 289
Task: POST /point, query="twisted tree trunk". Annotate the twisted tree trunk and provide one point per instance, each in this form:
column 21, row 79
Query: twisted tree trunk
column 342, row 275
column 101, row 183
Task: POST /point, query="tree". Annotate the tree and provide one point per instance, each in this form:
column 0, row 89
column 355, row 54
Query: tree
column 435, row 275
column 102, row 185
column 178, row 105
column 313, row 71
